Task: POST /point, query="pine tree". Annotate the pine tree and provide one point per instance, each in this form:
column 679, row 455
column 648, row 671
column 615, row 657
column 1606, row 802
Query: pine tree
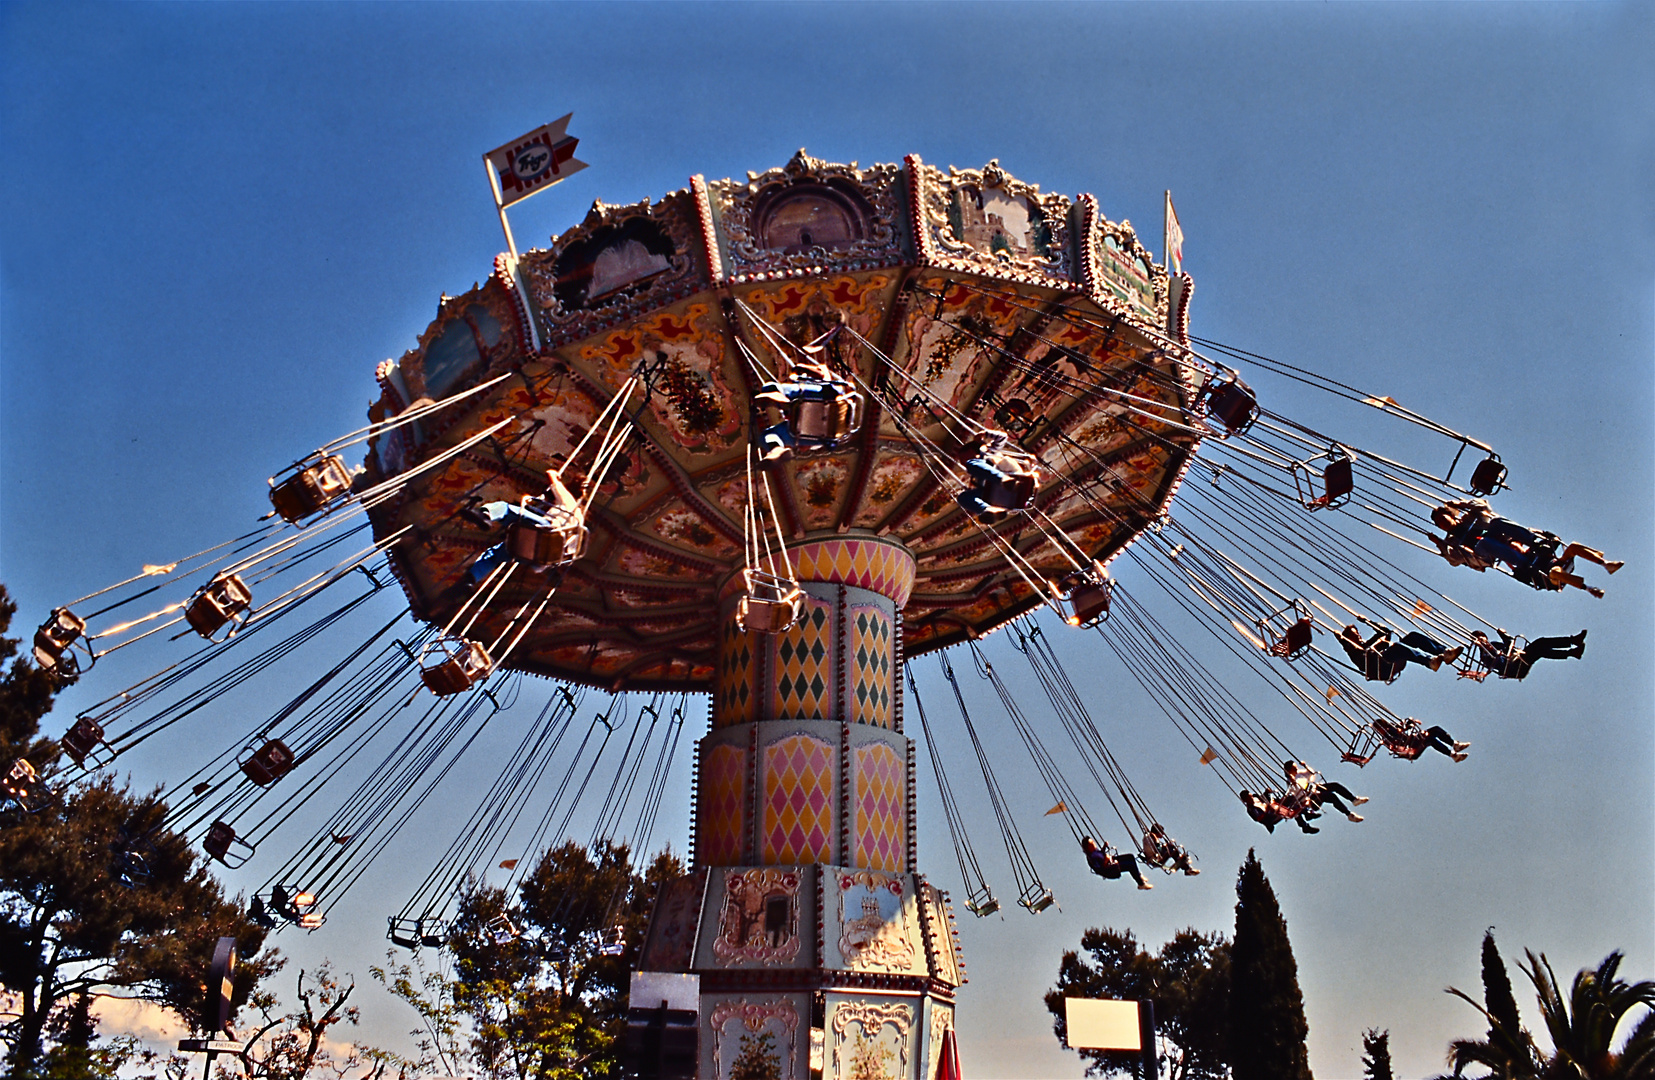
column 1267, row 1024
column 68, row 928
column 1376, row 1054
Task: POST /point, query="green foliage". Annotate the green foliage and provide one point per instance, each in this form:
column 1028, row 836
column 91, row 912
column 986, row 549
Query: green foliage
column 1188, row 981
column 67, row 926
column 1582, row 1025
column 550, row 1002
column 1267, row 1028
column 1376, row 1054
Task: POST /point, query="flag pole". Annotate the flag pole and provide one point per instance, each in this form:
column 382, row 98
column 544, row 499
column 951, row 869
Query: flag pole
column 500, row 208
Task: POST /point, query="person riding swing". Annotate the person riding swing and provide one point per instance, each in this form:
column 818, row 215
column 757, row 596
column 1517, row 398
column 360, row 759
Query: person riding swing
column 1106, row 862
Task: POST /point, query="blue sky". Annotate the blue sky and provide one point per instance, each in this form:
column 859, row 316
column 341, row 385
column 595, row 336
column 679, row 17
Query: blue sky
column 219, row 217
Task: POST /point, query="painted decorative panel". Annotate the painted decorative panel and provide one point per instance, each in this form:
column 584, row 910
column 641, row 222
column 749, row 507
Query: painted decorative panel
column 804, row 664
column 876, row 922
column 881, row 801
column 759, row 921
column 799, row 801
column 991, row 219
column 870, row 1039
column 942, row 1022
column 755, row 1040
column 723, row 805
column 871, row 645
column 673, row 925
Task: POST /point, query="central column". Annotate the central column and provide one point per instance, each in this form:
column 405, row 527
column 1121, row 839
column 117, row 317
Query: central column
column 819, row 952
column 834, row 788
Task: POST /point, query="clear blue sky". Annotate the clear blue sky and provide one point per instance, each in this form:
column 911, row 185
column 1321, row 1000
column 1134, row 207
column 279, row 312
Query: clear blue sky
column 217, row 218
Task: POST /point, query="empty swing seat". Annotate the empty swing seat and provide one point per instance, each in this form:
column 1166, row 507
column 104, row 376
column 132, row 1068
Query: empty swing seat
column 1337, row 481
column 1089, row 593
column 772, row 603
column 22, row 783
column 1489, row 476
column 269, row 763
column 499, row 930
column 454, row 665
column 1232, row 402
column 79, row 741
column 60, row 631
column 1295, row 641
column 222, row 843
column 221, row 601
column 311, row 489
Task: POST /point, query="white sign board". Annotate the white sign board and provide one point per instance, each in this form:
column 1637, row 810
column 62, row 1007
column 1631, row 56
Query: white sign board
column 651, row 988
column 1102, row 1025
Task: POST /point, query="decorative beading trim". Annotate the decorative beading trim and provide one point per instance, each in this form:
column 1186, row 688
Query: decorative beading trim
column 709, row 235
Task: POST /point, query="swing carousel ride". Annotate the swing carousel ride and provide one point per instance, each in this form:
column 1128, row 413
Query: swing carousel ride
column 770, row 441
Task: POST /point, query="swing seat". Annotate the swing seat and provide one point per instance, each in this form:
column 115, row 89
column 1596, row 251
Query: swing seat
column 311, row 489
column 1012, row 493
column 826, row 418
column 131, row 869
column 556, row 544
column 269, row 763
column 983, row 905
column 432, row 936
column 556, row 533
column 82, row 739
column 499, row 930
column 771, row 605
column 454, row 665
column 612, row 942
column 1294, row 642
column 221, row 601
column 60, row 631
column 1231, row 402
column 404, row 932
column 1489, row 476
column 22, row 783
column 1037, row 901
column 222, row 843
column 1089, row 594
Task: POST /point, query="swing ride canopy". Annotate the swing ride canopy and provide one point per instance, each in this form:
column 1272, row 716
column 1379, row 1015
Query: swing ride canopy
column 962, row 294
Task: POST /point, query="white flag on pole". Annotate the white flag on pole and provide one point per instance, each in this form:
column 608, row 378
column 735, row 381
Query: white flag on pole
column 535, row 161
column 1174, row 239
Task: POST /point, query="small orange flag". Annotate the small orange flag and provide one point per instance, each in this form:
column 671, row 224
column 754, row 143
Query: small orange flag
column 1208, row 756
column 509, row 864
column 1060, row 808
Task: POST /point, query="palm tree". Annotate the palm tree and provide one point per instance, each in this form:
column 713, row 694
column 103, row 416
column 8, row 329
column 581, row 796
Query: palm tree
column 1582, row 1026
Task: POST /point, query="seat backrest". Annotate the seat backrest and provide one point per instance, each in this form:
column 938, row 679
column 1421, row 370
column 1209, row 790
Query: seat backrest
column 1337, row 480
column 1298, row 637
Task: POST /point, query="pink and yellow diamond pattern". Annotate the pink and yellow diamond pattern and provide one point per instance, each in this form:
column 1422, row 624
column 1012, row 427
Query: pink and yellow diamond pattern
column 798, row 801
column 721, row 805
column 869, row 564
column 871, row 668
column 881, row 782
column 804, row 665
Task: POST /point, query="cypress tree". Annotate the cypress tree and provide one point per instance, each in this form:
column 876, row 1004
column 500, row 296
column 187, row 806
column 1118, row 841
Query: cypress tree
column 1497, row 995
column 1267, row 1024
